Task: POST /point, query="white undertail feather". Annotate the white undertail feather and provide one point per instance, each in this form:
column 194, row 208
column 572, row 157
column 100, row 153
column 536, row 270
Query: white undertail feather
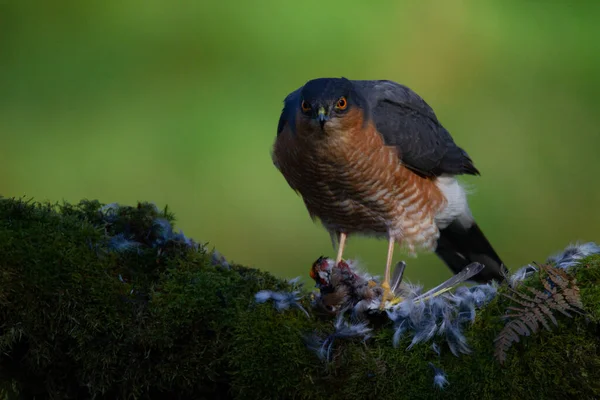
column 457, row 207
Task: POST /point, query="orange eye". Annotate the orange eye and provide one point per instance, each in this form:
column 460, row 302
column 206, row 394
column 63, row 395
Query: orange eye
column 341, row 104
column 305, row 106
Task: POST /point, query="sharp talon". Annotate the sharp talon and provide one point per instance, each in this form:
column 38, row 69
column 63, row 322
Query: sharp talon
column 386, row 296
column 396, row 300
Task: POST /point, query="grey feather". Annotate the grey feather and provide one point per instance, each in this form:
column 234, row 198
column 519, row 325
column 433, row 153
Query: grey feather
column 408, row 123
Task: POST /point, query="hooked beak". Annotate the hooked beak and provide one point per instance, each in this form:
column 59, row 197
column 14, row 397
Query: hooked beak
column 322, row 116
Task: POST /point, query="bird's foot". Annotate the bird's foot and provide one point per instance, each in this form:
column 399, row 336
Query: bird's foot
column 387, row 295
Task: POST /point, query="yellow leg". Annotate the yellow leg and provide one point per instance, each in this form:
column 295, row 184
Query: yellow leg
column 341, row 247
column 387, row 293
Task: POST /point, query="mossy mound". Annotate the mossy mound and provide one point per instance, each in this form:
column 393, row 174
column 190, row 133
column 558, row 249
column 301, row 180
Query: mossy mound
column 114, row 304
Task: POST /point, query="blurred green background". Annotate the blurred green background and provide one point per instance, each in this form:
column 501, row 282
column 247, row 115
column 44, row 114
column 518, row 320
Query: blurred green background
column 178, row 102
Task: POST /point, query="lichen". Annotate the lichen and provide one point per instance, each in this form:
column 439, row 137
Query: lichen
column 82, row 316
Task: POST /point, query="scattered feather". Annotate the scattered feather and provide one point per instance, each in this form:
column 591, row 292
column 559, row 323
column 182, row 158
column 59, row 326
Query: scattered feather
column 440, row 380
column 263, row 296
column 457, row 341
column 120, row 243
column 188, row 242
column 342, row 330
column 410, row 290
column 346, row 330
column 163, row 231
column 521, row 274
column 468, row 272
column 572, row 254
column 110, row 212
column 443, row 316
column 297, row 281
column 281, row 300
column 465, row 304
column 397, row 276
column 159, row 235
column 483, row 294
column 164, row 234
column 217, row 258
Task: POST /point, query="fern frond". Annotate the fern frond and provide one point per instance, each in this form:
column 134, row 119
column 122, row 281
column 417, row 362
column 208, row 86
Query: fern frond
column 531, row 321
column 509, row 334
column 560, row 294
column 523, row 299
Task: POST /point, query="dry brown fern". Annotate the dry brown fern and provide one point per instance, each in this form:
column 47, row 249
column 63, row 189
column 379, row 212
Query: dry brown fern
column 560, row 294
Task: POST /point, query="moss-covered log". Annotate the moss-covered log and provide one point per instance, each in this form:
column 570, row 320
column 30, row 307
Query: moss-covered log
column 114, row 304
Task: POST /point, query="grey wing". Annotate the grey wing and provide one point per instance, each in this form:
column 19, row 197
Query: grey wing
column 407, row 122
column 288, row 114
column 287, row 117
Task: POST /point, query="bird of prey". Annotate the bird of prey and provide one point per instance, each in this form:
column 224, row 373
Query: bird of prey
column 370, row 157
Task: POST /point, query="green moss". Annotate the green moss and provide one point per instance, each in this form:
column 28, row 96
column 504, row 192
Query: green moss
column 269, row 355
column 79, row 320
column 588, row 272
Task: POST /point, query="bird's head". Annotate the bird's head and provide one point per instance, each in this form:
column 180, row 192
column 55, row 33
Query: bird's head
column 325, row 102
